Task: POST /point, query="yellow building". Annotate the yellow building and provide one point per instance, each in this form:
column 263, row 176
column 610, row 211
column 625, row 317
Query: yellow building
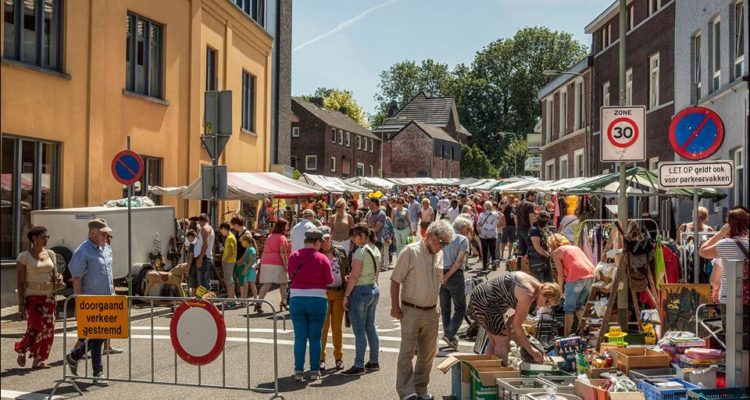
column 80, row 76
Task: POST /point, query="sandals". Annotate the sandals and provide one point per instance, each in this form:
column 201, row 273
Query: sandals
column 283, row 306
column 21, row 360
column 40, row 365
column 258, row 308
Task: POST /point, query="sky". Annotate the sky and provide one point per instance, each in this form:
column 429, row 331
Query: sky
column 345, row 44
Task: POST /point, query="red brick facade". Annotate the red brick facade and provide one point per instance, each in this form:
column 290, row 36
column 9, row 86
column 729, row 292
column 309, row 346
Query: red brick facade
column 413, row 153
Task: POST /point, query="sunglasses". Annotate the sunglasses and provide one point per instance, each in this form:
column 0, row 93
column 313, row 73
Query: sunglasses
column 43, row 236
column 442, row 242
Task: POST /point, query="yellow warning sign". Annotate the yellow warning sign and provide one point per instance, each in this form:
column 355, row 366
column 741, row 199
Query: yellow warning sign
column 102, row 317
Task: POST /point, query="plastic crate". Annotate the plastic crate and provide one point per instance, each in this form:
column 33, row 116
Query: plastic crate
column 740, row 393
column 563, row 384
column 518, row 388
column 636, row 337
column 653, row 392
column 636, row 374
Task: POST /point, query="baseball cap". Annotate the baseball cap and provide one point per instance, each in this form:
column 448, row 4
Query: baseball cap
column 100, row 224
column 326, row 231
column 314, row 234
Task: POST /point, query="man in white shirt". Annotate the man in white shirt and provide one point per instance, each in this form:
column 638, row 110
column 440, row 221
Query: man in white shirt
column 487, row 227
column 304, row 225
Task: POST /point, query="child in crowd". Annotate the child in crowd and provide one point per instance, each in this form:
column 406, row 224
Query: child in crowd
column 228, row 258
column 192, row 272
column 246, row 271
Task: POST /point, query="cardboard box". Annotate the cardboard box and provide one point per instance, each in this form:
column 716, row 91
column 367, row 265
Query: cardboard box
column 629, row 358
column 596, row 373
column 592, row 391
column 460, row 367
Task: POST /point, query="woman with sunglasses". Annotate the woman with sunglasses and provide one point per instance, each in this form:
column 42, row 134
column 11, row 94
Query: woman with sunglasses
column 341, row 223
column 500, row 306
column 37, row 279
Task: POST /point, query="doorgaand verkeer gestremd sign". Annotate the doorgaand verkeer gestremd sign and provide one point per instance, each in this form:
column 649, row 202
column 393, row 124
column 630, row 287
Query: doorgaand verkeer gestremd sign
column 712, row 174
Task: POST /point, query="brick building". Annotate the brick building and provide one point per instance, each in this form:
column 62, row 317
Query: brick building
column 328, row 142
column 566, row 122
column 426, row 123
column 649, row 73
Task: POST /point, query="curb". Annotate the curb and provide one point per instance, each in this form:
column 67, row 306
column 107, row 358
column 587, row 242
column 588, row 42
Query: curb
column 17, row 334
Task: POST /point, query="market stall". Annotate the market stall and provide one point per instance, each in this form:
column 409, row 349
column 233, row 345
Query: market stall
column 332, row 184
column 371, row 182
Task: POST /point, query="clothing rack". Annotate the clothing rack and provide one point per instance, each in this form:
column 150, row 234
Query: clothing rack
column 685, row 259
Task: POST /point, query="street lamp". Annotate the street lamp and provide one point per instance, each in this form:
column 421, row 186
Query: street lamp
column 586, row 144
column 515, row 153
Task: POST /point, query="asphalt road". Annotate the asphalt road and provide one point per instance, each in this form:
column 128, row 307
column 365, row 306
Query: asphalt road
column 24, row 383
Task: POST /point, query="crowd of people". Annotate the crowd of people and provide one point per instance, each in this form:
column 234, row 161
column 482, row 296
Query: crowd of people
column 327, row 268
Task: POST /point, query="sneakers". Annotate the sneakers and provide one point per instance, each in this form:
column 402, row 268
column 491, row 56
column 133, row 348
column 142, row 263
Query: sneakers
column 322, row 366
column 372, row 366
column 411, row 396
column 452, row 343
column 113, row 350
column 299, row 376
column 314, row 375
column 425, row 396
column 339, row 365
column 100, row 380
column 72, row 364
column 354, row 371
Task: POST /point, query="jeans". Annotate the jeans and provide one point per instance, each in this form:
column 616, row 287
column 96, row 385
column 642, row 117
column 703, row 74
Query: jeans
column 488, row 250
column 576, row 294
column 308, row 315
column 453, row 291
column 203, row 271
column 94, row 346
column 522, row 233
column 362, row 304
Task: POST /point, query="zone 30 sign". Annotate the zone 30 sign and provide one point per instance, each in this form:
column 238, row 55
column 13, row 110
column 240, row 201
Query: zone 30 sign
column 623, row 136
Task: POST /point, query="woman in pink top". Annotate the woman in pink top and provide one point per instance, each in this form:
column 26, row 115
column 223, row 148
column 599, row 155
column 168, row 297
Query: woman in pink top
column 274, row 263
column 575, row 273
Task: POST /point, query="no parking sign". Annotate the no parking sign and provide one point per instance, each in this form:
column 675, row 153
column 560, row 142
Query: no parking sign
column 197, row 331
column 623, row 136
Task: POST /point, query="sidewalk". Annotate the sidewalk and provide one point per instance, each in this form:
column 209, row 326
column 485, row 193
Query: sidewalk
column 12, row 326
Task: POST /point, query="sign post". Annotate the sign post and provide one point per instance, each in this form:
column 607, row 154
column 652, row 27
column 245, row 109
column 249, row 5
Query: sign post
column 127, row 168
column 696, row 133
column 102, row 317
column 217, row 131
column 197, row 331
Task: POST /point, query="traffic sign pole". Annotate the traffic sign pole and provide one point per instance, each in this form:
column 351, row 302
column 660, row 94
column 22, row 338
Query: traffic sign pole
column 622, row 201
column 130, row 246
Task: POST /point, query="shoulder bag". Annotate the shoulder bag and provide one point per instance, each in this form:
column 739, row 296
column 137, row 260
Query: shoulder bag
column 745, row 273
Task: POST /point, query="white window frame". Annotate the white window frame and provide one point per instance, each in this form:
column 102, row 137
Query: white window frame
column 739, row 172
column 372, row 170
column 372, row 146
column 360, row 167
column 358, row 141
column 333, row 164
column 653, row 201
column 715, row 53
column 696, row 73
column 311, row 158
column 738, row 38
column 563, row 109
column 579, row 165
column 341, row 137
column 653, row 81
column 577, row 105
column 333, row 135
column 549, row 170
column 348, row 139
column 629, row 87
column 651, row 4
column 605, row 94
column 295, row 131
column 562, row 173
column 549, row 117
column 631, row 16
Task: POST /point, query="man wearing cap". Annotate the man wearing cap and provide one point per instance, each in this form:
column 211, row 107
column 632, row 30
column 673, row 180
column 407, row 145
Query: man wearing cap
column 91, row 273
column 298, row 231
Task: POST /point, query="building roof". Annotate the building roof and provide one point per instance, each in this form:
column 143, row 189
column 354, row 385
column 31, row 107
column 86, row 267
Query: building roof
column 434, row 131
column 425, row 109
column 336, row 119
column 605, row 16
column 563, row 78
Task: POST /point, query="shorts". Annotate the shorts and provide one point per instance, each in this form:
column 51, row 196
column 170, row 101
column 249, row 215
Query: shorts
column 576, row 294
column 228, row 270
column 509, row 234
column 244, row 278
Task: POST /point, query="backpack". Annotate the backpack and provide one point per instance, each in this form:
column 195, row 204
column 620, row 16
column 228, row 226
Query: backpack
column 745, row 273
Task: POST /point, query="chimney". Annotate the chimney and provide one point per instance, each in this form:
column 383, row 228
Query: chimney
column 343, row 110
column 318, row 101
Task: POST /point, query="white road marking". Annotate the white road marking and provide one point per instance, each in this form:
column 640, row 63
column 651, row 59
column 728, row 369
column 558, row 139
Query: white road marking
column 13, row 394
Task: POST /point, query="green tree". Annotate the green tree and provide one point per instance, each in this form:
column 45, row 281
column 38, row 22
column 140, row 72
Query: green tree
column 404, row 80
column 336, row 99
column 498, row 92
column 475, row 164
column 513, row 158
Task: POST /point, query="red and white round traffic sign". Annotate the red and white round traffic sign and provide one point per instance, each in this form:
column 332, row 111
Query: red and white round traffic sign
column 198, row 332
column 622, row 132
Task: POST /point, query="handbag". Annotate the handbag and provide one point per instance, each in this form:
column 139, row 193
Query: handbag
column 745, row 273
column 58, row 281
column 644, row 245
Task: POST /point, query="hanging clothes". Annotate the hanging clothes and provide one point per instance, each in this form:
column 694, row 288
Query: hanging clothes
column 660, row 273
column 586, row 245
column 671, row 264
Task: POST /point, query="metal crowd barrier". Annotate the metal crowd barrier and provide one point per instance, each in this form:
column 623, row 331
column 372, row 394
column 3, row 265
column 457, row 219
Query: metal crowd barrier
column 71, row 379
